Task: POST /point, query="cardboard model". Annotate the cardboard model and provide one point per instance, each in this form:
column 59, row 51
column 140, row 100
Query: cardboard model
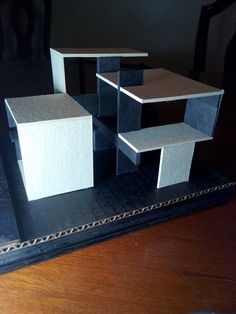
column 55, row 144
column 69, row 144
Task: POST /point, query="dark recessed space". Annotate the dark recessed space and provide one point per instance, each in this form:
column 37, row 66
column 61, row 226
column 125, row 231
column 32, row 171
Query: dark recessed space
column 163, row 113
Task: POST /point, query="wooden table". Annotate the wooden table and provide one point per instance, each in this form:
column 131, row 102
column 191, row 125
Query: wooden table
column 186, row 265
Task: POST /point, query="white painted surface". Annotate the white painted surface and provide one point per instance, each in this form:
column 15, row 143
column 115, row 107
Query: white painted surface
column 175, row 164
column 161, row 85
column 57, row 155
column 58, row 55
column 97, row 52
column 58, row 72
column 44, row 108
column 153, row 138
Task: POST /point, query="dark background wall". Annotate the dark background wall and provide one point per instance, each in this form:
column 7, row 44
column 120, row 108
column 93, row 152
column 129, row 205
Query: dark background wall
column 164, row 28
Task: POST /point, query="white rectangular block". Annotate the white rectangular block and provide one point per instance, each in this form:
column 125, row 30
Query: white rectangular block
column 175, row 164
column 55, row 137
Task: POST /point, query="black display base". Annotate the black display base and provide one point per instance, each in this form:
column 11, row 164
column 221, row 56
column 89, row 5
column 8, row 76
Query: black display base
column 116, row 205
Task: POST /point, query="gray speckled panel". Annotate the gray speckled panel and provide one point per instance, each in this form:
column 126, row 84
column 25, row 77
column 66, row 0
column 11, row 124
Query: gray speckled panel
column 129, row 119
column 100, row 142
column 107, row 95
column 130, row 77
column 107, row 100
column 202, row 113
column 129, row 114
column 106, row 64
column 175, row 164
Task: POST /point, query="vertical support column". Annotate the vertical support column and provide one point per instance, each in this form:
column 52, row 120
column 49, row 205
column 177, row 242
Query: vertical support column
column 107, row 95
column 82, row 88
column 128, row 116
column 201, row 113
column 175, row 164
column 58, row 72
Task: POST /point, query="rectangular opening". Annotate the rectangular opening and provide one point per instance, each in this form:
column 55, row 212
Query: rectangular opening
column 155, row 114
column 80, row 74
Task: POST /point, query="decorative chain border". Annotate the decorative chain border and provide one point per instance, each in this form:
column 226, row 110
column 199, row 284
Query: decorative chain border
column 101, row 222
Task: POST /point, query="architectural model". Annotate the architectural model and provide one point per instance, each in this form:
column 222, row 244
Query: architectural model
column 55, row 132
column 73, row 170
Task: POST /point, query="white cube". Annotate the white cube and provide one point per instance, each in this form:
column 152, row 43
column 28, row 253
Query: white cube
column 55, row 138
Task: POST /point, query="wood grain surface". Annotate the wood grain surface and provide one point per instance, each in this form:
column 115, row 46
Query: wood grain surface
column 183, row 266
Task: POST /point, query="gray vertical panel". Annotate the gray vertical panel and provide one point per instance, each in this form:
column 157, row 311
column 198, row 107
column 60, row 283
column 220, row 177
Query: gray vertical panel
column 108, row 64
column 123, row 163
column 128, row 116
column 201, row 113
column 130, row 77
column 175, row 164
column 107, row 95
column 107, row 100
column 128, row 119
column 101, row 142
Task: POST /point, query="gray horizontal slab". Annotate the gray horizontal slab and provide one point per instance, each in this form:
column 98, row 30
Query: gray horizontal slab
column 153, row 138
column 44, row 108
column 162, row 85
column 98, row 52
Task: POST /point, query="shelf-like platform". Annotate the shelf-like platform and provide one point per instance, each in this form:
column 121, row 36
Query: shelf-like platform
column 153, row 138
column 162, row 85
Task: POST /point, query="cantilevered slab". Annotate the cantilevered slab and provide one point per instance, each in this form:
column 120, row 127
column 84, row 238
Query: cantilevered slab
column 149, row 139
column 97, row 52
column 161, row 85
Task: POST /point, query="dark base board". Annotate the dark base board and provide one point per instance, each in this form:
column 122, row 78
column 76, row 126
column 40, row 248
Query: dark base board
column 116, row 205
